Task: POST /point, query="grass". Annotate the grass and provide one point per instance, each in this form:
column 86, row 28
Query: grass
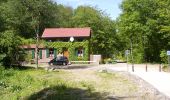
column 30, row 84
column 19, row 83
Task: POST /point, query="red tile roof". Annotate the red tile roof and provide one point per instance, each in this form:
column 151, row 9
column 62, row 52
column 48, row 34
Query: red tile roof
column 66, row 32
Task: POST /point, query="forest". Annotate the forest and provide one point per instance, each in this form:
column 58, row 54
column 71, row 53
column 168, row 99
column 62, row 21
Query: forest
column 143, row 25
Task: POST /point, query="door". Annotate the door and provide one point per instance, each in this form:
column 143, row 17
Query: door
column 65, row 52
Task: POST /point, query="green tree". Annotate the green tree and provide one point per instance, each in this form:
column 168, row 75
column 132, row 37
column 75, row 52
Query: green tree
column 64, row 16
column 103, row 40
column 141, row 23
column 17, row 15
column 9, row 47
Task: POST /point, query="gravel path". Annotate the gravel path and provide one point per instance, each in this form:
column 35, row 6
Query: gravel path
column 158, row 83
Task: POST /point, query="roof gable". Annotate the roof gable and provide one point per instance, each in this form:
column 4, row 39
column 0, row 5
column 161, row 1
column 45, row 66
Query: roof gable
column 66, row 32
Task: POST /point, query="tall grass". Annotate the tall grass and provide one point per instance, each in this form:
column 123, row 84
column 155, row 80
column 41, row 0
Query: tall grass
column 16, row 83
column 34, row 84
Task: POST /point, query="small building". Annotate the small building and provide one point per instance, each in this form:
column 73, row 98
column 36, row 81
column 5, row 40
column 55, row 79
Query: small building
column 72, row 43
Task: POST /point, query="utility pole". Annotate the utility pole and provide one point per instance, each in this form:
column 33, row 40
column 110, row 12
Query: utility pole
column 37, row 39
column 36, row 49
column 132, row 54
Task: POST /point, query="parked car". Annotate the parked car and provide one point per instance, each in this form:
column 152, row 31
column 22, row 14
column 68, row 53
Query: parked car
column 59, row 61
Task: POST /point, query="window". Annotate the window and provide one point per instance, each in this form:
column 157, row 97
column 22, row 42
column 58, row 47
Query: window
column 79, row 52
column 33, row 54
column 40, row 54
column 51, row 52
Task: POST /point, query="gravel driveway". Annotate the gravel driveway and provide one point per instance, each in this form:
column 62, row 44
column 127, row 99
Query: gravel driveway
column 157, row 82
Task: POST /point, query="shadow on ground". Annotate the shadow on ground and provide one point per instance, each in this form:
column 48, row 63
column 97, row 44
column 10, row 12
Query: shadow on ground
column 70, row 67
column 19, row 67
column 78, row 67
column 64, row 93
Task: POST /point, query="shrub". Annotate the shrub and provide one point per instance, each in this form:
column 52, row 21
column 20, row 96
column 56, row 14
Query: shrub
column 163, row 56
column 109, row 61
column 28, row 57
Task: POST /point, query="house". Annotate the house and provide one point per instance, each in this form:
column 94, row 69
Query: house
column 70, row 42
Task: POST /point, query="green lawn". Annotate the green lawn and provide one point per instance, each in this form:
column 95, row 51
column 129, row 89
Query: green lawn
column 31, row 84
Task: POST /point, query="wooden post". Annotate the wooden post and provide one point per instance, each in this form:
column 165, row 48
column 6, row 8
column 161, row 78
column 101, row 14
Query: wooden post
column 146, row 68
column 160, row 68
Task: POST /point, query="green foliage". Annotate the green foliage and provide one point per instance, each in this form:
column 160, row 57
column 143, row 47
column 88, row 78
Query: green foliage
column 14, row 88
column 28, row 17
column 144, row 23
column 104, row 37
column 28, row 57
column 109, row 61
column 11, row 83
column 138, row 56
column 25, row 16
column 164, row 57
column 120, row 56
column 3, row 85
column 9, row 47
column 2, row 56
column 64, row 16
column 71, row 48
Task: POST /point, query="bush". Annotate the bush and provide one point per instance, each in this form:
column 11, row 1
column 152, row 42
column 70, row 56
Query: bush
column 163, row 56
column 28, row 57
column 109, row 61
column 120, row 56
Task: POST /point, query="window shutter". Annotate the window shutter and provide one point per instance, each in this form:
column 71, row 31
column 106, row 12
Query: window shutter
column 76, row 52
column 33, row 54
column 40, row 54
column 47, row 53
column 55, row 52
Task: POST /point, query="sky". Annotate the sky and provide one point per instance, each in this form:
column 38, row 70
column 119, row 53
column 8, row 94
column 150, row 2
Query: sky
column 111, row 7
